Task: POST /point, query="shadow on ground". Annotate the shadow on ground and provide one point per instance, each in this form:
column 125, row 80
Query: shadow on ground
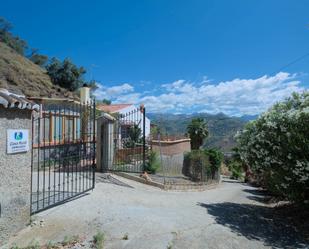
column 256, row 223
column 259, row 192
column 106, row 178
column 228, row 180
column 224, row 179
column 258, row 195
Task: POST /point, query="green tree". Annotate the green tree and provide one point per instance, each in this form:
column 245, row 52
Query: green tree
column 9, row 39
column 155, row 131
column 215, row 158
column 66, row 74
column 276, row 146
column 106, row 101
column 153, row 163
column 5, row 26
column 37, row 58
column 197, row 131
column 134, row 136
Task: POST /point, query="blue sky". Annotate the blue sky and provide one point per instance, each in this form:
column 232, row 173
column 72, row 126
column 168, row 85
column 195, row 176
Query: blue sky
column 176, row 56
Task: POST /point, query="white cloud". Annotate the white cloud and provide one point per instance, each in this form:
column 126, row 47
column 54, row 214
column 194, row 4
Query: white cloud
column 130, row 98
column 235, row 97
column 104, row 92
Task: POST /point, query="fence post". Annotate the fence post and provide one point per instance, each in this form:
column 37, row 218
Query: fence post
column 31, row 179
column 94, row 144
column 144, row 136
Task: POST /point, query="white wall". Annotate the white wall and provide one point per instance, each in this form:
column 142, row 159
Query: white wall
column 137, row 118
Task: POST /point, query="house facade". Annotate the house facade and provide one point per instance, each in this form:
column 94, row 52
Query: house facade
column 124, row 110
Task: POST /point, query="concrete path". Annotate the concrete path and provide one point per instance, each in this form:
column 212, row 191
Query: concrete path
column 230, row 216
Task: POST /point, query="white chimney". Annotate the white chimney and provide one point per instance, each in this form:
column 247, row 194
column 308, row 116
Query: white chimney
column 85, row 94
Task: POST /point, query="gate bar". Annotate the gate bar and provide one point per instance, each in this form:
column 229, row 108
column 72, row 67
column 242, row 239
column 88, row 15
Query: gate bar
column 94, row 145
column 144, row 139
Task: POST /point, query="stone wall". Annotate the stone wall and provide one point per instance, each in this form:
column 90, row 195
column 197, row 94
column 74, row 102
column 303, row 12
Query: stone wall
column 15, row 175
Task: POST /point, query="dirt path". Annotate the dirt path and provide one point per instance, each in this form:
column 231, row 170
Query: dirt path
column 230, row 216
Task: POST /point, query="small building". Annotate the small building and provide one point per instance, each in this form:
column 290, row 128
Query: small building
column 125, row 110
column 124, row 144
column 60, row 118
column 47, row 155
column 63, row 121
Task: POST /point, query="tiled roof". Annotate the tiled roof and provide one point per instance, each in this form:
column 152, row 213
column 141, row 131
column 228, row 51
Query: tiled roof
column 112, row 108
column 11, row 100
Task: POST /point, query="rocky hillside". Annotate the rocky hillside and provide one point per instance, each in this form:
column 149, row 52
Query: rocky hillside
column 20, row 75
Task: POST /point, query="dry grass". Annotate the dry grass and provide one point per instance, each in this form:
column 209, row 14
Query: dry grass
column 20, row 75
column 67, row 243
column 224, row 170
column 98, row 240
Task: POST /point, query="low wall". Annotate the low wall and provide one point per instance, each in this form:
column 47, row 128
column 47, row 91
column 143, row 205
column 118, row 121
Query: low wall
column 171, row 147
column 126, row 153
column 15, row 175
column 172, row 154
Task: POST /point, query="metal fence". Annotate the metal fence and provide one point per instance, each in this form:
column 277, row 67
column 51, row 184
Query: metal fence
column 180, row 168
column 128, row 137
column 63, row 153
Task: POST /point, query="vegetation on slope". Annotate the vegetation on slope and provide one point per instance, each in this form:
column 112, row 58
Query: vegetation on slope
column 20, row 75
column 34, row 74
column 221, row 127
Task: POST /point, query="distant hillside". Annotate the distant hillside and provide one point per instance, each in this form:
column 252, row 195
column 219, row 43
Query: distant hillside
column 222, row 128
column 248, row 118
column 20, row 75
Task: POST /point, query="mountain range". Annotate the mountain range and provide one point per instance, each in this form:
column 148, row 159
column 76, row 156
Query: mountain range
column 21, row 76
column 222, row 128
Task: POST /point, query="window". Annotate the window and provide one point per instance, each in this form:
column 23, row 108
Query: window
column 69, row 128
column 55, row 128
column 45, row 138
column 77, row 128
column 57, row 123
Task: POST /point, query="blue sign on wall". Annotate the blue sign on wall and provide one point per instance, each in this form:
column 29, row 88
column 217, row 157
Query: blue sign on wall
column 18, row 135
column 17, row 141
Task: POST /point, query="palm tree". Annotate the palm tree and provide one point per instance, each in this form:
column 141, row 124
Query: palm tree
column 197, row 131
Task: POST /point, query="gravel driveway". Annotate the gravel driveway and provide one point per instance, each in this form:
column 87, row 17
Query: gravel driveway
column 229, row 216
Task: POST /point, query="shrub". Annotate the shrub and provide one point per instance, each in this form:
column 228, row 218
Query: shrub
column 215, row 159
column 98, row 240
column 134, row 136
column 66, row 74
column 202, row 164
column 236, row 169
column 276, row 148
column 15, row 42
column 196, row 163
column 153, row 164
